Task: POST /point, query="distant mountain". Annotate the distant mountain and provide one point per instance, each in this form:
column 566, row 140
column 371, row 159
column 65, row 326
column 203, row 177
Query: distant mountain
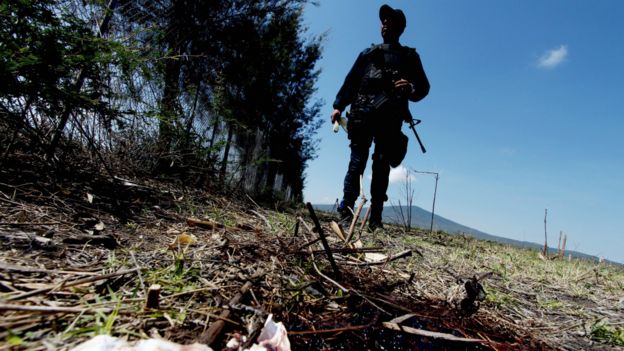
column 421, row 218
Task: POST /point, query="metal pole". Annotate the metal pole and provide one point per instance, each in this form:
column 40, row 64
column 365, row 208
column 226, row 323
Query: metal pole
column 434, row 200
column 435, row 191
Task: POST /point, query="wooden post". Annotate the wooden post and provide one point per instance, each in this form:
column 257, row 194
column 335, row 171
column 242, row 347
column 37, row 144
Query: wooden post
column 153, row 297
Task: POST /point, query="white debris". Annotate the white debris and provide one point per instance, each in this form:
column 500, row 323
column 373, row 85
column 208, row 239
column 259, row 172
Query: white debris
column 110, row 343
column 273, row 337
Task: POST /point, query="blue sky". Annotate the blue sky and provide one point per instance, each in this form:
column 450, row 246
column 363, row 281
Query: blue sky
column 526, row 112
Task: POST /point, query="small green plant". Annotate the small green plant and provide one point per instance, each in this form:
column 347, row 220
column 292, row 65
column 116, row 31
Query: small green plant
column 552, row 304
column 14, row 340
column 602, row 332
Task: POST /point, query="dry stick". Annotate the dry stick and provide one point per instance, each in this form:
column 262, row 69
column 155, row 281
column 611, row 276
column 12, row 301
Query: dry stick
column 318, row 271
column 559, row 245
column 26, row 269
column 368, row 210
column 136, row 263
column 355, row 218
column 19, row 224
column 334, row 330
column 545, row 235
column 565, row 238
column 323, row 240
column 345, row 290
column 348, row 250
column 402, row 254
column 209, row 336
column 65, row 284
column 359, row 210
column 51, row 309
column 427, row 333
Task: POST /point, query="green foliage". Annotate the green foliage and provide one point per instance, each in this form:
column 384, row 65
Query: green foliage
column 42, row 52
column 170, row 87
column 602, row 332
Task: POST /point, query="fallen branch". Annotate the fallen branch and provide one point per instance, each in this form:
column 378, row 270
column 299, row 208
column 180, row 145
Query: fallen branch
column 194, row 222
column 334, row 330
column 51, row 309
column 70, row 284
column 107, row 241
column 400, row 255
column 209, row 336
column 26, row 269
column 347, row 250
column 431, row 334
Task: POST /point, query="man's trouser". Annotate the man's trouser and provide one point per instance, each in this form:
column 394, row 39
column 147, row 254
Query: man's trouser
column 360, row 145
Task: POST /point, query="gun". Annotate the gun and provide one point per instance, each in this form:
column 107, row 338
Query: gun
column 413, row 123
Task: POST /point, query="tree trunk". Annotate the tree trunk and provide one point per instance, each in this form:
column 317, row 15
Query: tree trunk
column 226, row 153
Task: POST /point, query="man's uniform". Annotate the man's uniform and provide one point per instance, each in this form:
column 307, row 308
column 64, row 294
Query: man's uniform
column 377, row 113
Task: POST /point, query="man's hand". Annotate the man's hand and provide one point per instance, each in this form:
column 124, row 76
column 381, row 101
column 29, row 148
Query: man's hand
column 403, row 87
column 335, row 115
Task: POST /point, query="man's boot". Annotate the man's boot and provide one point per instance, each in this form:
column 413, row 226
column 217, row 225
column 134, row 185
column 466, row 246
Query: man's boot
column 374, row 221
column 345, row 210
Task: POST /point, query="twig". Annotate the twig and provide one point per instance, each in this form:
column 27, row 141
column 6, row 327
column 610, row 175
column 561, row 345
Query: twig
column 19, row 224
column 334, row 330
column 136, row 263
column 65, row 284
column 318, row 271
column 431, row 334
column 356, row 215
column 51, row 309
column 209, row 336
column 348, row 250
column 25, row 269
column 266, row 221
column 402, row 254
column 324, row 241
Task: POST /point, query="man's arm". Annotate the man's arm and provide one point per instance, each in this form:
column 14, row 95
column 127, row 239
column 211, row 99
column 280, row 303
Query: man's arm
column 347, row 93
column 418, row 79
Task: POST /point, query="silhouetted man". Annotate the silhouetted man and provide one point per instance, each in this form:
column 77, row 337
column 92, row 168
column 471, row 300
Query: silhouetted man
column 380, row 83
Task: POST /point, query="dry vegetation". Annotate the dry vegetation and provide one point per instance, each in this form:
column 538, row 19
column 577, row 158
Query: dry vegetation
column 77, row 259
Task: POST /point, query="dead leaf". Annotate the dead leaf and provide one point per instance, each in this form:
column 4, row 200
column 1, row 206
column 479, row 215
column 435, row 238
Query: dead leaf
column 338, row 230
column 183, row 239
column 99, row 226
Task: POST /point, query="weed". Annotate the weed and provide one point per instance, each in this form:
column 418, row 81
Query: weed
column 552, row 304
column 498, row 298
column 602, row 332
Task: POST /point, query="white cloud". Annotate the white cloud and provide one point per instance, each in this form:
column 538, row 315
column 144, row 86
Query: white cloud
column 399, row 174
column 552, row 58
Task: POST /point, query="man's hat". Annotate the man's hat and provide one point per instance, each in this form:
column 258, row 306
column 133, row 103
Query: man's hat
column 386, row 11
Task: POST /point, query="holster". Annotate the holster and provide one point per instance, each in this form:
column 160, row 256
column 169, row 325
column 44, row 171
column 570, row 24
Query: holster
column 397, row 149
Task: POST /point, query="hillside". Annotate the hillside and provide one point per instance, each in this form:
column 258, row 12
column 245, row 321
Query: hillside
column 421, row 218
column 80, row 256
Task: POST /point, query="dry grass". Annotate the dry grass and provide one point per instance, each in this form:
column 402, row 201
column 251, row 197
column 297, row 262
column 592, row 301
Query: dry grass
column 531, row 302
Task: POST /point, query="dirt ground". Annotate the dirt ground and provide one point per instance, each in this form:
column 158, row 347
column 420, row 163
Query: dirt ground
column 78, row 258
